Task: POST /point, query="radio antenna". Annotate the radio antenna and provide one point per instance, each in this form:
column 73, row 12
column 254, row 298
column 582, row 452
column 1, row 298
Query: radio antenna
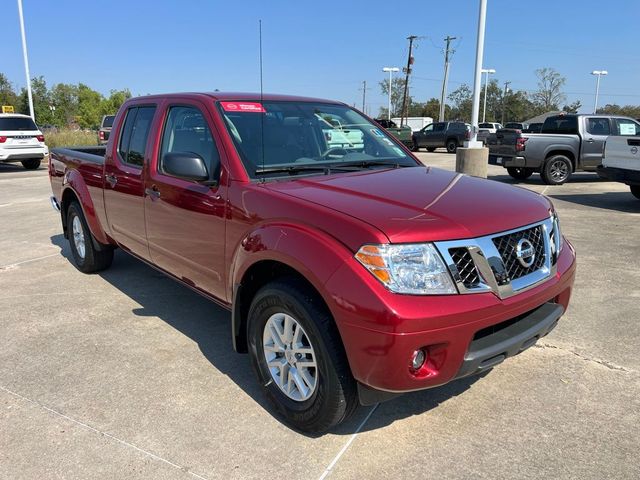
column 263, row 112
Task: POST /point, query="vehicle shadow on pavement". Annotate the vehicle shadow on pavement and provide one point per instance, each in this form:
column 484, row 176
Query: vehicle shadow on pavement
column 619, row 201
column 535, row 179
column 208, row 325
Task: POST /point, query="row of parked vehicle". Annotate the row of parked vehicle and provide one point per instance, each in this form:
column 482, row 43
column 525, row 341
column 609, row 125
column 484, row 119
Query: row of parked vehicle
column 566, row 143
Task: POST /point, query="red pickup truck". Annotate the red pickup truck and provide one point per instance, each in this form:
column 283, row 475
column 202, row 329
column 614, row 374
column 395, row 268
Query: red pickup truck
column 352, row 275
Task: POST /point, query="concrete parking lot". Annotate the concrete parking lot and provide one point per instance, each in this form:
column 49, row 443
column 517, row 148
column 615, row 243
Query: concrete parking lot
column 126, row 374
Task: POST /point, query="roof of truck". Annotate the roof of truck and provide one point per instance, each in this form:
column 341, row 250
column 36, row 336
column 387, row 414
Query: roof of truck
column 243, row 96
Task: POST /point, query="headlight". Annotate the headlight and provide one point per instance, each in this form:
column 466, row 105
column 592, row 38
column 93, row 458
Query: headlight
column 557, row 242
column 410, row 268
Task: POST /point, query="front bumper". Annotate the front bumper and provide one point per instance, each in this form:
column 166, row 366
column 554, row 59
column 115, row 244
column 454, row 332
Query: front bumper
column 462, row 334
column 623, row 175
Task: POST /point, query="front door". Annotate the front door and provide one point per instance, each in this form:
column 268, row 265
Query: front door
column 124, row 181
column 597, row 130
column 185, row 219
column 436, row 138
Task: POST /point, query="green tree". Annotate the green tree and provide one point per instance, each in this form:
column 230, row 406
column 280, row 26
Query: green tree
column 494, row 101
column 462, row 103
column 397, row 90
column 549, row 95
column 41, row 101
column 517, row 107
column 8, row 95
column 632, row 111
column 89, row 107
column 573, row 107
column 64, row 98
column 116, row 98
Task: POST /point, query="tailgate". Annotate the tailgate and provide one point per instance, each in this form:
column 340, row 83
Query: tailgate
column 503, row 143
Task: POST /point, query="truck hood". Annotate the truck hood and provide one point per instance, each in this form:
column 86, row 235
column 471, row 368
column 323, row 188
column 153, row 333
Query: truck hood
column 419, row 204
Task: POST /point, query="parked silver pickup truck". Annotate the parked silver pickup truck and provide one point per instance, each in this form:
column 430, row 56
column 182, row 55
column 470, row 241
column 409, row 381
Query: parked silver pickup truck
column 567, row 143
column 621, row 162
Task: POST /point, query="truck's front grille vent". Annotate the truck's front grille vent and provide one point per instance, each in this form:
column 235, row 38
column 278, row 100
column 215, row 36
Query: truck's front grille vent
column 507, row 246
column 466, row 268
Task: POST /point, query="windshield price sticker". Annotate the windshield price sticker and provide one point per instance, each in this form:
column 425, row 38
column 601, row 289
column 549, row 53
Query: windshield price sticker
column 252, row 107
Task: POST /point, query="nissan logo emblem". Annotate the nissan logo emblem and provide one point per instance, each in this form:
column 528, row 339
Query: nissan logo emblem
column 525, row 253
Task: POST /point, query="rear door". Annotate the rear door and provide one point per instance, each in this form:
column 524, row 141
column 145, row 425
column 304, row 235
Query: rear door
column 124, row 180
column 185, row 219
column 437, row 137
column 596, row 129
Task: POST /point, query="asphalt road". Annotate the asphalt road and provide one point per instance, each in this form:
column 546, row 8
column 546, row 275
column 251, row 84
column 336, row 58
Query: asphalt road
column 127, row 374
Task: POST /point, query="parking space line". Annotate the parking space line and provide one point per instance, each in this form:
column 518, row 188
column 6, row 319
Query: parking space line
column 101, row 433
column 346, row 446
column 28, row 261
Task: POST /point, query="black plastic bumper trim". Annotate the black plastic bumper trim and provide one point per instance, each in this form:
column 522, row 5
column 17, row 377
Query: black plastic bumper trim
column 486, row 352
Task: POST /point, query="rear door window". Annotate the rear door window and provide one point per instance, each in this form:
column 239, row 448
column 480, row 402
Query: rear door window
column 624, row 126
column 598, row 126
column 135, row 132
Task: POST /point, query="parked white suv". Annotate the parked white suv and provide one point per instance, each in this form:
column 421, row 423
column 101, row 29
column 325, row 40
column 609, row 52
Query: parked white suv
column 621, row 157
column 21, row 141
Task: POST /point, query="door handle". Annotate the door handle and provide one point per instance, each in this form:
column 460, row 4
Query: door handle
column 152, row 192
column 590, row 140
column 111, row 180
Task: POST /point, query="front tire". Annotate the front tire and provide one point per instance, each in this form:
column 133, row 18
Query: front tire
column 635, row 191
column 431, row 149
column 520, row 173
column 31, row 164
column 87, row 257
column 452, row 146
column 556, row 170
column 298, row 357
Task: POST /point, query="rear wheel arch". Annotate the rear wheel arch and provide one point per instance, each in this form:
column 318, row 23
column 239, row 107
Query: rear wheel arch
column 564, row 153
column 69, row 195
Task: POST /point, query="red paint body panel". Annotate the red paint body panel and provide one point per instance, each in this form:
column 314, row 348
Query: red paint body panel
column 210, row 236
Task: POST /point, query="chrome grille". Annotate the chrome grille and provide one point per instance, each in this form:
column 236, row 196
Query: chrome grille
column 466, row 268
column 491, row 264
column 507, row 244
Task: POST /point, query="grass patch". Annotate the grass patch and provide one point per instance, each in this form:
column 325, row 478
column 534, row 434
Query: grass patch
column 70, row 138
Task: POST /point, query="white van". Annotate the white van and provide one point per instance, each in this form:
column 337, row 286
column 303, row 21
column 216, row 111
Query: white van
column 416, row 123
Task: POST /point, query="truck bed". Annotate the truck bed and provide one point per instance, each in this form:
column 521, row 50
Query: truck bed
column 94, row 154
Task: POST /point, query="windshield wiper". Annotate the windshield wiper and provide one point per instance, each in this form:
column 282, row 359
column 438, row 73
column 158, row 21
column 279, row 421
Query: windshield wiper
column 371, row 163
column 293, row 169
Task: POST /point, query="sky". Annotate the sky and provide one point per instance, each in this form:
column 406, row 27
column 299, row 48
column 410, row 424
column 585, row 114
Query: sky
column 322, row 49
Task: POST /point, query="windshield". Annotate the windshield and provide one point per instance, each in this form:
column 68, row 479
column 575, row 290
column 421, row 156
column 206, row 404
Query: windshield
column 107, row 122
column 305, row 137
column 17, row 123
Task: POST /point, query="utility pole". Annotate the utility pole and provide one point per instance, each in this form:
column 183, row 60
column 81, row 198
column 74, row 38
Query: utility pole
column 364, row 96
column 407, row 72
column 504, row 96
column 443, row 96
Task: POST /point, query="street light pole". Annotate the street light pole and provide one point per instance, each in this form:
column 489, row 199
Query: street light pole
column 486, row 71
column 477, row 81
column 598, row 73
column 390, row 70
column 26, row 60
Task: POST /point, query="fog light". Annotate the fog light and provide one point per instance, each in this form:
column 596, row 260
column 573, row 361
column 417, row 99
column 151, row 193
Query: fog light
column 418, row 359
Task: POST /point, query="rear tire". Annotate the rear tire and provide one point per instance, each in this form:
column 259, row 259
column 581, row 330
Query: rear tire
column 520, row 173
column 452, row 146
column 414, row 146
column 325, row 394
column 431, row 149
column 556, row 170
column 31, row 164
column 86, row 256
column 635, row 191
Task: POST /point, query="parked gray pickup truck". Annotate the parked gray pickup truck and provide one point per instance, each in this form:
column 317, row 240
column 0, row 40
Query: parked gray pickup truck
column 567, row 143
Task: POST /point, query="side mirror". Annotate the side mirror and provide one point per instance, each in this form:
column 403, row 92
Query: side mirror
column 186, row 165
